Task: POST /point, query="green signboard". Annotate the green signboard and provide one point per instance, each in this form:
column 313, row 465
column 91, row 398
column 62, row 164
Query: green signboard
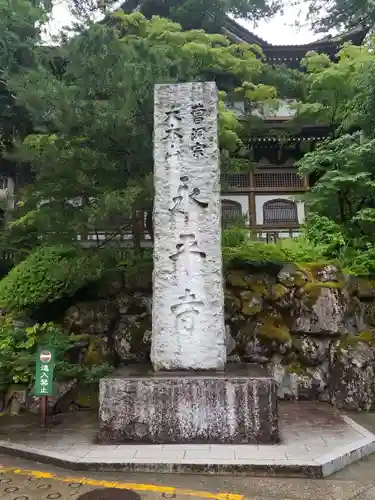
column 45, row 364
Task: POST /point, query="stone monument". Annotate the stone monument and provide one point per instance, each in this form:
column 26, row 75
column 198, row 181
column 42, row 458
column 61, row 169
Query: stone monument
column 188, row 331
column 190, row 395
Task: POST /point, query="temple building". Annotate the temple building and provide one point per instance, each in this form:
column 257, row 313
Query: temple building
column 268, row 195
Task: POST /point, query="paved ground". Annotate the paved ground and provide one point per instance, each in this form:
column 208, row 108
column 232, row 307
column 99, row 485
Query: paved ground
column 316, row 440
column 22, row 480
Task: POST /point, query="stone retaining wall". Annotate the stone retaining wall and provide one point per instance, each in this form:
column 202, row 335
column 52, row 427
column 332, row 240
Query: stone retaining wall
column 310, row 325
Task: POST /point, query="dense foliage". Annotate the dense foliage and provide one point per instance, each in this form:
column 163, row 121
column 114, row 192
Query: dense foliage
column 18, row 347
column 76, row 124
column 51, row 273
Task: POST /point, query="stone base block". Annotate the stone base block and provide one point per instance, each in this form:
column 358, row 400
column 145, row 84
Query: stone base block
column 236, row 406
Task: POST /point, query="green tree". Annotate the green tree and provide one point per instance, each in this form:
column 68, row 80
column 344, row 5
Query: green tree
column 340, row 94
column 92, row 153
column 19, row 35
column 324, row 15
column 206, row 14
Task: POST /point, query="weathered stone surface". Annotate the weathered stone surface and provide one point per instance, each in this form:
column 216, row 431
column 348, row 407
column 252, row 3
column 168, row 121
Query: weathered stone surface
column 297, row 383
column 97, row 351
column 322, row 311
column 311, row 351
column 60, row 391
column 91, row 317
column 132, row 337
column 266, row 334
column 351, row 380
column 230, row 342
column 236, row 406
column 15, row 399
column 363, row 288
column 291, row 276
column 188, row 330
column 327, row 274
column 257, row 351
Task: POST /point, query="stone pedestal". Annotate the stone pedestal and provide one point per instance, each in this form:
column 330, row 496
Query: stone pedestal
column 237, row 406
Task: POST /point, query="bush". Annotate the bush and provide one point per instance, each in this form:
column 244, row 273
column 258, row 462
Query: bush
column 301, row 250
column 325, row 233
column 254, row 252
column 50, row 273
column 358, row 261
column 18, row 349
column 234, row 237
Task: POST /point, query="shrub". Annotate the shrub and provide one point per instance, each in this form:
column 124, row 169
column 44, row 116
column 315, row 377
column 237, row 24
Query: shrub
column 49, row 274
column 19, row 345
column 234, row 237
column 358, row 261
column 325, row 233
column 254, row 252
column 301, row 250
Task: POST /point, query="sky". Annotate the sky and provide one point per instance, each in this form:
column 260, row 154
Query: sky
column 278, row 31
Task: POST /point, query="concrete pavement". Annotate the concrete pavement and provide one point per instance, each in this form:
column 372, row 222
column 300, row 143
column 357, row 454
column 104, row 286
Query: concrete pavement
column 23, row 480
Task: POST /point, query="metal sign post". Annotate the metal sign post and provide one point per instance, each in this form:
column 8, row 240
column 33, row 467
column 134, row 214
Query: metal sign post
column 45, row 364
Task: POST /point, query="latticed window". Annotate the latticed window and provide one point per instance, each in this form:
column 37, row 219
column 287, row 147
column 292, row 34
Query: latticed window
column 279, row 212
column 235, row 181
column 277, row 180
column 231, row 212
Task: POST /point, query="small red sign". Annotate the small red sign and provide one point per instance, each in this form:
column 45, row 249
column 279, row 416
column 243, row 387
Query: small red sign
column 45, row 356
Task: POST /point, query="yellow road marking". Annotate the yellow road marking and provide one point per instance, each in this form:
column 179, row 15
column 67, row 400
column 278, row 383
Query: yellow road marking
column 123, row 486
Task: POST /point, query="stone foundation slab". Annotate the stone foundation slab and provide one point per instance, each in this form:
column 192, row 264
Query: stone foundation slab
column 238, row 406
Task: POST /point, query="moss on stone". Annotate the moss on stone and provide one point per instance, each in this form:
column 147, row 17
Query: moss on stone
column 258, row 285
column 273, row 328
column 313, row 290
column 366, row 337
column 277, row 291
column 364, row 288
column 297, row 368
column 251, row 303
column 313, row 269
column 292, row 276
column 96, row 353
column 236, row 279
column 231, row 302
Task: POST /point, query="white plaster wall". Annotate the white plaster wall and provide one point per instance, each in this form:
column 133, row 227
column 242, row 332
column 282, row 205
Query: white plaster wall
column 261, row 199
column 282, row 109
column 242, row 200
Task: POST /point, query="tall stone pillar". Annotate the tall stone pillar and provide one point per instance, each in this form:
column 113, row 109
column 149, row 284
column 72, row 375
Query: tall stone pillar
column 188, row 317
column 187, row 397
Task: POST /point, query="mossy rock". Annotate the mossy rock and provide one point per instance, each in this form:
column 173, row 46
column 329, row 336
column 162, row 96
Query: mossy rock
column 291, row 276
column 231, row 302
column 365, row 337
column 132, row 338
column 273, row 328
column 323, row 272
column 257, row 285
column 297, row 368
column 277, row 291
column 236, row 279
column 310, row 292
column 97, row 352
column 362, row 288
column 251, row 303
column 94, row 317
column 370, row 314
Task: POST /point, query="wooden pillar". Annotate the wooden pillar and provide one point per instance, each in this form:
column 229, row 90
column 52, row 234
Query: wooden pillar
column 252, row 206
